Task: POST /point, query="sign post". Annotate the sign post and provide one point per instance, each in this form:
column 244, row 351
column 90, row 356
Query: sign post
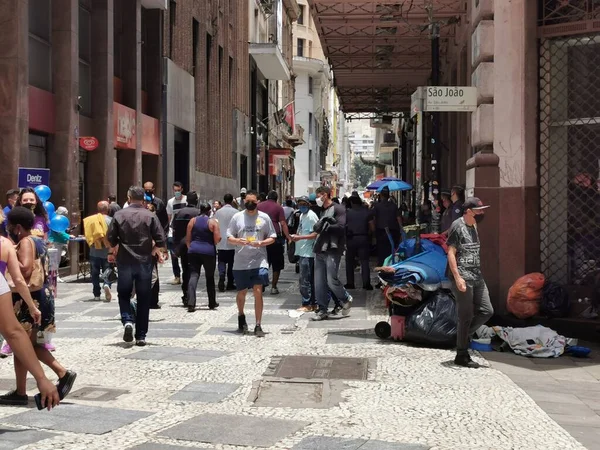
column 32, row 177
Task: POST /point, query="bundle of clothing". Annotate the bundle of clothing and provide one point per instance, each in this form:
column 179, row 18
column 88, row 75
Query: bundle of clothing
column 426, row 270
column 536, row 342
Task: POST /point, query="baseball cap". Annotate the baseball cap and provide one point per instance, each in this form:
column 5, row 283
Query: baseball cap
column 474, row 203
column 242, row 190
column 303, row 199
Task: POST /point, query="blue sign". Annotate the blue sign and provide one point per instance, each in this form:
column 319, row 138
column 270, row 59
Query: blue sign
column 32, row 177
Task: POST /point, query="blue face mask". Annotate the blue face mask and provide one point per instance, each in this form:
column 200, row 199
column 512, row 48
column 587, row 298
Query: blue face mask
column 303, row 209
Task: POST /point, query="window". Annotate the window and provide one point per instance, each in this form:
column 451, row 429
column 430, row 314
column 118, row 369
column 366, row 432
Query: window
column 172, row 23
column 37, row 151
column 300, row 50
column 301, row 16
column 40, row 49
column 195, row 36
column 310, row 85
column 310, row 124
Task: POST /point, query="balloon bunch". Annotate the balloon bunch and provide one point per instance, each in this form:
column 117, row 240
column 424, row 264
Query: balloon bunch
column 58, row 223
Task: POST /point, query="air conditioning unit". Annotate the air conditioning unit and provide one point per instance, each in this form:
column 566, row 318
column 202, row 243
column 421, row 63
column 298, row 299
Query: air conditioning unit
column 382, row 122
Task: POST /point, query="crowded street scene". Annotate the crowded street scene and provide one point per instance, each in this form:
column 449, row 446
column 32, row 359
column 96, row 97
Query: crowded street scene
column 299, row 225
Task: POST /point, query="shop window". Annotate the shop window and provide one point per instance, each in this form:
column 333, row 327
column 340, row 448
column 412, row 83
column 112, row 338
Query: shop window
column 310, row 85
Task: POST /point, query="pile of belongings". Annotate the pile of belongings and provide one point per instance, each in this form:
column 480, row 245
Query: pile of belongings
column 417, row 289
column 537, row 342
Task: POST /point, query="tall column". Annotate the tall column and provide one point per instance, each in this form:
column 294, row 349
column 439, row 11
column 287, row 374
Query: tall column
column 101, row 173
column 132, row 82
column 63, row 157
column 14, row 105
column 503, row 173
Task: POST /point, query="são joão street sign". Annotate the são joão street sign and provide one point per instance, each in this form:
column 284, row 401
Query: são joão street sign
column 444, row 99
column 32, row 177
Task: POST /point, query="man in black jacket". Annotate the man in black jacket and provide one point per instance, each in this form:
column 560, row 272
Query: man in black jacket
column 329, row 248
column 181, row 219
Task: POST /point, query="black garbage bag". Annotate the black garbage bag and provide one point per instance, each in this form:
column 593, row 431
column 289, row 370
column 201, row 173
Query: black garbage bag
column 555, row 300
column 434, row 322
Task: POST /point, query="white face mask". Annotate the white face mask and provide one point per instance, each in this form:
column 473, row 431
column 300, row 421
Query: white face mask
column 320, row 202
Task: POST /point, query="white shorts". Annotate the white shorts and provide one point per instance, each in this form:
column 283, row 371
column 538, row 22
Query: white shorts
column 4, row 289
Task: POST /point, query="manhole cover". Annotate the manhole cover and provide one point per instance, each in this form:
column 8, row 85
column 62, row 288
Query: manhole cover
column 277, row 393
column 321, row 367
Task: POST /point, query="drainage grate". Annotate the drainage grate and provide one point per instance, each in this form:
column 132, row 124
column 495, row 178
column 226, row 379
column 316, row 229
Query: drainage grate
column 319, row 367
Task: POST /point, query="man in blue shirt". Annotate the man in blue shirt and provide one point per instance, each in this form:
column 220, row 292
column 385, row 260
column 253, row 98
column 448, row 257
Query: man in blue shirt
column 305, row 241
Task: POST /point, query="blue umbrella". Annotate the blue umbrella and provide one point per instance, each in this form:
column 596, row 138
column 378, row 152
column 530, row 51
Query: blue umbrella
column 395, row 186
column 377, row 184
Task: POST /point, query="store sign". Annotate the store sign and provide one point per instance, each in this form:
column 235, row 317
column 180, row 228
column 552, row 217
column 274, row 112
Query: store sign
column 89, row 143
column 450, row 98
column 125, row 126
column 32, row 177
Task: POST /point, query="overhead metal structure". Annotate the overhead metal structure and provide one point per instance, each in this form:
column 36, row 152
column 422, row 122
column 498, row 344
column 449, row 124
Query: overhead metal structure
column 380, row 50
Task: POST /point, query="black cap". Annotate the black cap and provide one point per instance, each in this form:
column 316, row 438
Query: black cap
column 474, row 203
column 192, row 198
column 303, row 199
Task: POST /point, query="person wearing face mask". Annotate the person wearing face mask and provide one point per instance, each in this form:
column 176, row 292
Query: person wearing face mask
column 241, row 199
column 473, row 304
column 29, row 199
column 305, row 241
column 159, row 206
column 446, row 213
column 457, row 197
column 387, row 216
column 177, row 202
column 358, row 219
column 251, row 231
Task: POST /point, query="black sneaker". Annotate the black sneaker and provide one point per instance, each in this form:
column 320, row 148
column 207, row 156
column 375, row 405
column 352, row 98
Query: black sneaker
column 128, row 332
column 319, row 315
column 65, row 384
column 221, row 285
column 349, row 286
column 140, row 342
column 213, row 306
column 258, row 331
column 156, row 307
column 191, row 309
column 242, row 325
column 184, row 300
column 464, row 360
column 368, row 287
column 13, row 399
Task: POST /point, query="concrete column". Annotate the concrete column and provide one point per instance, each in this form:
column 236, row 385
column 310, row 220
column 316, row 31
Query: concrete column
column 503, row 173
column 101, row 176
column 63, row 158
column 14, row 105
column 132, row 84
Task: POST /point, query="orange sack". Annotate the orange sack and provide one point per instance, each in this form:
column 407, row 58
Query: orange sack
column 525, row 295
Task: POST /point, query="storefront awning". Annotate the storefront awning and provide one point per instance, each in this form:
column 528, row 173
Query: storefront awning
column 270, row 62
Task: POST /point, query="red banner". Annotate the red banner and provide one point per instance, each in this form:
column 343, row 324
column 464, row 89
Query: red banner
column 290, row 117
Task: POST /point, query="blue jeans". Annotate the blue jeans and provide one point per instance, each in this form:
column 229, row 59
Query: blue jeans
column 97, row 267
column 327, row 267
column 307, row 280
column 141, row 275
column 174, row 259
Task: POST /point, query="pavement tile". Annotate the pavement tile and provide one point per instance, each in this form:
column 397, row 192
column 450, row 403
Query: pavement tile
column 103, row 312
column 65, row 324
column 166, row 333
column 87, row 333
column 11, row 438
column 345, row 322
column 173, row 326
column 154, row 446
column 267, row 319
column 77, row 419
column 199, row 391
column 223, row 331
column 350, row 337
column 576, row 420
column 567, row 409
column 234, row 430
column 590, row 437
column 555, row 397
column 335, row 443
column 176, row 354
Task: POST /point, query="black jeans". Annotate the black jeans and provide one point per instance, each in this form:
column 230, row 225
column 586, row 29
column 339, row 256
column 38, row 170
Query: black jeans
column 226, row 258
column 174, row 260
column 358, row 247
column 196, row 262
column 384, row 248
column 155, row 292
column 474, row 309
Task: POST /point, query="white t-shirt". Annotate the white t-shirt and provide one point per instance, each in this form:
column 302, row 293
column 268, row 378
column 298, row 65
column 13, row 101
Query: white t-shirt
column 4, row 289
column 172, row 206
column 257, row 227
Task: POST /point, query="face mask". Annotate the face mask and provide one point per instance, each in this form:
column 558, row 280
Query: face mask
column 150, row 194
column 303, row 209
column 479, row 218
column 178, row 194
column 320, row 202
column 251, row 206
column 31, row 206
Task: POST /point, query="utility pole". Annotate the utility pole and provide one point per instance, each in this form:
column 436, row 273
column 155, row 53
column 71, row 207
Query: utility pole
column 434, row 28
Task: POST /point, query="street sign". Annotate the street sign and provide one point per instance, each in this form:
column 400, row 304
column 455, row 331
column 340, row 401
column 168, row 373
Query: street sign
column 89, row 143
column 32, row 177
column 450, row 99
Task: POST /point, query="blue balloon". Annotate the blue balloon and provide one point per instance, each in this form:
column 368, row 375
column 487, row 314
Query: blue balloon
column 59, row 224
column 50, row 209
column 43, row 192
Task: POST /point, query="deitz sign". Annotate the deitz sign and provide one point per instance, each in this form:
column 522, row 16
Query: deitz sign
column 88, row 143
column 32, row 177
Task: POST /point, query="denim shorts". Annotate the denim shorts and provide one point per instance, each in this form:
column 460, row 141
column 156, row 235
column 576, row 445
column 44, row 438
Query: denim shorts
column 247, row 279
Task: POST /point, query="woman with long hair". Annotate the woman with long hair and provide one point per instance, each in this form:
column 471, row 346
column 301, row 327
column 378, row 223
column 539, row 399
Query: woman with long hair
column 29, row 199
column 203, row 234
column 37, row 316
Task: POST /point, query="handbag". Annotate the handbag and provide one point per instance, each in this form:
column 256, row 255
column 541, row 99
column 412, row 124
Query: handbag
column 38, row 274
